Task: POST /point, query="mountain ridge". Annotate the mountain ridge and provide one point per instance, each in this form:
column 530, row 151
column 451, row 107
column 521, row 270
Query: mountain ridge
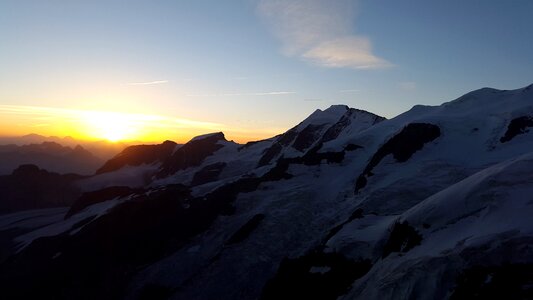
column 279, row 217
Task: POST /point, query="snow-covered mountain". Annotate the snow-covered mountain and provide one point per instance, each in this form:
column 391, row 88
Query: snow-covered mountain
column 432, row 204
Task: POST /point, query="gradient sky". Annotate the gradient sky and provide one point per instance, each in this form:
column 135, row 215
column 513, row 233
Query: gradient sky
column 252, row 68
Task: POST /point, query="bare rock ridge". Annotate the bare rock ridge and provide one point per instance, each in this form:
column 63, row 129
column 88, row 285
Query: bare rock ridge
column 137, row 155
column 192, row 153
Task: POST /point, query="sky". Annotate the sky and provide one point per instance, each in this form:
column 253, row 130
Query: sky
column 161, row 69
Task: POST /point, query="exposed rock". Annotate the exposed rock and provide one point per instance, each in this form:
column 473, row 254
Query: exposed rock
column 307, row 137
column 192, row 154
column 516, row 127
column 269, row 154
column 288, row 137
column 352, row 147
column 246, row 229
column 402, row 146
column 208, row 173
column 402, row 238
column 90, row 198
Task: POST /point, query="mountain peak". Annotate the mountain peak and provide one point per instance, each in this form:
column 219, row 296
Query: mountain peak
column 330, row 115
column 214, row 135
column 337, row 108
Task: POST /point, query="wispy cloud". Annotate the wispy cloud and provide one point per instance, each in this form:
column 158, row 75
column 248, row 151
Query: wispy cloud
column 241, row 94
column 321, row 32
column 147, row 82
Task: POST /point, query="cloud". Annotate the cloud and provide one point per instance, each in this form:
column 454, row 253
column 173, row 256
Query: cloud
column 148, row 82
column 242, row 94
column 321, row 32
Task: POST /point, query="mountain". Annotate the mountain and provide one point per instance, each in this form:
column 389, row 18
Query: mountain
column 48, row 155
column 102, row 149
column 432, row 204
column 29, row 187
column 138, row 155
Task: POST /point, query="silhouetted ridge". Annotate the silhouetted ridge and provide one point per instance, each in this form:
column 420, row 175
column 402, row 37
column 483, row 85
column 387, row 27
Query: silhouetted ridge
column 30, row 187
column 138, row 155
column 192, row 153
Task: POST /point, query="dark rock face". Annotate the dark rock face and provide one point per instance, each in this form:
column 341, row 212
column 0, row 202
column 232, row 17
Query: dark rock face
column 208, row 173
column 250, row 144
column 402, row 146
column 402, row 238
column 270, row 154
column 510, row 281
column 334, row 131
column 316, row 275
column 288, row 137
column 90, row 198
column 307, row 137
column 138, row 155
column 352, row 147
column 246, row 229
column 191, row 154
column 29, row 187
column 313, row 157
column 357, row 214
column 516, row 127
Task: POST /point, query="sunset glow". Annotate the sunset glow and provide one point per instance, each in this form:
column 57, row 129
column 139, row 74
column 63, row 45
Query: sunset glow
column 111, row 125
column 103, row 125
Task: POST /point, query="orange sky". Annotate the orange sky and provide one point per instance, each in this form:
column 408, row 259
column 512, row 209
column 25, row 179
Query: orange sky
column 112, row 126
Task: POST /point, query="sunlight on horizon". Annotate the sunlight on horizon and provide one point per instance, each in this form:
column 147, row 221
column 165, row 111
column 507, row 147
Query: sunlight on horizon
column 112, row 126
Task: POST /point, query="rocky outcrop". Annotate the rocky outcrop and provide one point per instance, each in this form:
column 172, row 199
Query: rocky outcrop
column 402, row 146
column 516, row 127
column 208, row 173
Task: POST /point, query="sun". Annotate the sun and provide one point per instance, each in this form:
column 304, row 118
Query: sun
column 112, row 126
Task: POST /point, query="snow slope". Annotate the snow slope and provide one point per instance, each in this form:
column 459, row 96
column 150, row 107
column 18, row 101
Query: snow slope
column 484, row 219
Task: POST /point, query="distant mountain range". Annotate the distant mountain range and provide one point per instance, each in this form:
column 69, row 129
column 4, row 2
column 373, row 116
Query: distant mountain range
column 100, row 148
column 432, row 204
column 50, row 156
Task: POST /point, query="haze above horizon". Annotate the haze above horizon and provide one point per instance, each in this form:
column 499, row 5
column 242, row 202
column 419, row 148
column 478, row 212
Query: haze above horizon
column 156, row 70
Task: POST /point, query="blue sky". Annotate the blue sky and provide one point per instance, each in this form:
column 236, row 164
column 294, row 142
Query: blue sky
column 257, row 67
